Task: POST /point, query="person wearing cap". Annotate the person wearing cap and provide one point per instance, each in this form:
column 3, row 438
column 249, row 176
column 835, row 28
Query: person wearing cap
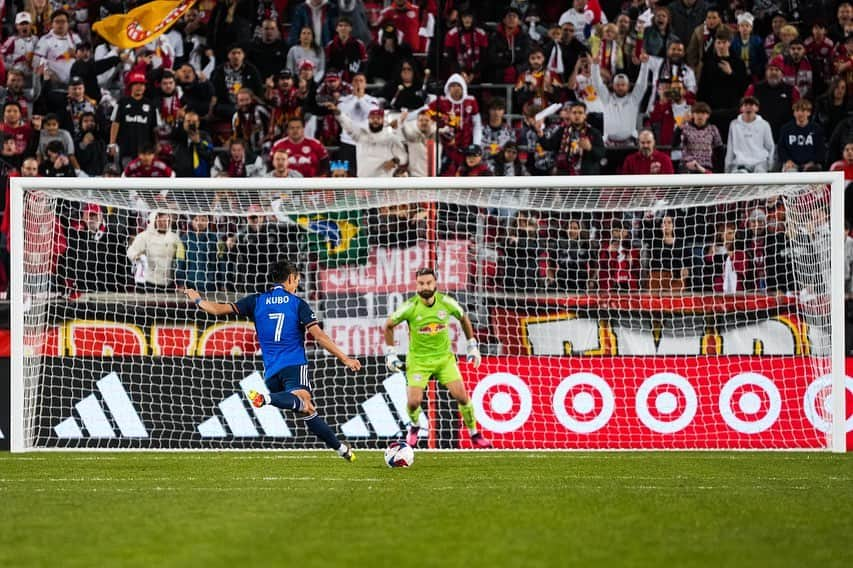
column 384, row 57
column 54, row 52
column 796, row 68
column 134, row 121
column 267, row 51
column 378, row 149
column 345, row 52
column 722, row 82
column 465, row 45
column 93, row 249
column 774, row 97
column 320, row 15
column 307, row 50
column 228, row 78
column 750, row 147
column 749, row 47
column 622, row 105
column 404, row 16
column 18, row 49
column 474, row 165
column 508, row 46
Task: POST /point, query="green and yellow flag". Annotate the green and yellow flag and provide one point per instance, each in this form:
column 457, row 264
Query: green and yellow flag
column 336, row 238
column 142, row 24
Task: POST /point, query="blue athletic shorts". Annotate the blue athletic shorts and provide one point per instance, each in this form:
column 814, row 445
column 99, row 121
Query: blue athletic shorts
column 289, row 379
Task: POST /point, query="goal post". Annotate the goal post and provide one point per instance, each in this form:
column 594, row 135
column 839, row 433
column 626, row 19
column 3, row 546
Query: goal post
column 635, row 357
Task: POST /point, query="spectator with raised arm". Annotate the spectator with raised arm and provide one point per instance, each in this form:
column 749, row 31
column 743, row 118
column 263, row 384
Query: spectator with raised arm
column 622, row 105
column 579, row 146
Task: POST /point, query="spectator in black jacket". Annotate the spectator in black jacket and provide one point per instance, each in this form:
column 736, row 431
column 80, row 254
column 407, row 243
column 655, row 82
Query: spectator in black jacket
column 383, row 57
column 722, row 83
column 775, row 97
column 508, row 48
column 228, row 78
column 196, row 95
column 579, row 146
column 193, row 148
column 90, row 146
column 93, row 261
column 88, row 69
column 268, row 51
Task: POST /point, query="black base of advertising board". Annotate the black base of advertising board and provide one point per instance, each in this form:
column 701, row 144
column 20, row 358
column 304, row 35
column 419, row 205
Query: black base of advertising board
column 200, row 403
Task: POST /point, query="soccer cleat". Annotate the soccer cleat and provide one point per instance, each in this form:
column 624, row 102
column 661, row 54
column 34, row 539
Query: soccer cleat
column 412, row 436
column 257, row 399
column 348, row 454
column 480, row 441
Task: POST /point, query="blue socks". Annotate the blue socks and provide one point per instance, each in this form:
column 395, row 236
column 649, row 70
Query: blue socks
column 322, row 430
column 285, row 400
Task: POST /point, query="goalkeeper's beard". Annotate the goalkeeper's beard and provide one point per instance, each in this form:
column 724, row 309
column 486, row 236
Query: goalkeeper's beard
column 426, row 294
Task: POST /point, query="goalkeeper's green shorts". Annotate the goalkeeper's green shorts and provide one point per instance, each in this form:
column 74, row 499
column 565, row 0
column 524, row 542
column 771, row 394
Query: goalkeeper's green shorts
column 444, row 369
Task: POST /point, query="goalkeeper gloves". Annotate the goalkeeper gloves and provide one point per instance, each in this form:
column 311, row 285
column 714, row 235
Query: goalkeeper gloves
column 472, row 353
column 391, row 360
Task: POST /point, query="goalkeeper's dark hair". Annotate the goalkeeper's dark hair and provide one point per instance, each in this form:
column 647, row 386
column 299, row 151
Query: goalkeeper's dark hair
column 281, row 270
column 426, row 272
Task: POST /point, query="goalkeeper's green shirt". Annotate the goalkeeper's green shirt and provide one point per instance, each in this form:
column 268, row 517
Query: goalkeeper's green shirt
column 429, row 334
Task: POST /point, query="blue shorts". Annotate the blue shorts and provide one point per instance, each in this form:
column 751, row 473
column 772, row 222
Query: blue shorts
column 289, row 379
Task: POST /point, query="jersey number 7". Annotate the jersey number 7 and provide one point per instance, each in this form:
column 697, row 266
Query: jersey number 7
column 279, row 324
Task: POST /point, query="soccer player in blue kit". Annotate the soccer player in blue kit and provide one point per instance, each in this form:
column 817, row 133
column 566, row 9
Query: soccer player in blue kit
column 281, row 319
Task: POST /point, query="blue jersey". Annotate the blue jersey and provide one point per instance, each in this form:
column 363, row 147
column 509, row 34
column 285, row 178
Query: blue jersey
column 281, row 319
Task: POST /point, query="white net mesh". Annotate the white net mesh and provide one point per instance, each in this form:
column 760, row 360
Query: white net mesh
column 665, row 317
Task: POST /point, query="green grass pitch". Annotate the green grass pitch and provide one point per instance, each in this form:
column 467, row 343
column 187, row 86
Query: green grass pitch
column 450, row 509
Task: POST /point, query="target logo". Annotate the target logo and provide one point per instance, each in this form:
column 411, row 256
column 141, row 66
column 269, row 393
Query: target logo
column 817, row 404
column 673, row 405
column 502, row 402
column 586, row 392
column 750, row 403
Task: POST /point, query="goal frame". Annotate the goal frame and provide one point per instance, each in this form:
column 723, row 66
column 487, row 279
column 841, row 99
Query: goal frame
column 835, row 180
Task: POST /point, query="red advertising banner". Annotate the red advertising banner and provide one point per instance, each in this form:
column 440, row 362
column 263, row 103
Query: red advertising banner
column 654, row 402
column 393, row 270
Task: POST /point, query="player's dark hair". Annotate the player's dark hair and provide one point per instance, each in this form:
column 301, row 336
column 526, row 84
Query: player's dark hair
column 281, row 270
column 426, row 272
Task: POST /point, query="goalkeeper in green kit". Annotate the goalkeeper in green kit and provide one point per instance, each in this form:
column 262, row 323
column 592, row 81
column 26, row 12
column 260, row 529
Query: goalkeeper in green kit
column 430, row 353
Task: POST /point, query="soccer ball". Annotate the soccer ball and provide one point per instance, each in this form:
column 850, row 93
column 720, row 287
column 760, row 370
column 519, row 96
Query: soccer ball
column 399, row 454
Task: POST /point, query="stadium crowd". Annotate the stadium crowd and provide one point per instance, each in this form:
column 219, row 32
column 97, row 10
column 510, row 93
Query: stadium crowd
column 250, row 88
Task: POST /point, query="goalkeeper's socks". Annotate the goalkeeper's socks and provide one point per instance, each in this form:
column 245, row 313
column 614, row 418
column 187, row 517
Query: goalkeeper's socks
column 285, row 400
column 467, row 412
column 414, row 415
column 317, row 425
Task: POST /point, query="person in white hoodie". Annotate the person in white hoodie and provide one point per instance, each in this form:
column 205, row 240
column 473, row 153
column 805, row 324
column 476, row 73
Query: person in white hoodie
column 457, row 116
column 154, row 252
column 750, row 145
column 622, row 105
column 379, row 151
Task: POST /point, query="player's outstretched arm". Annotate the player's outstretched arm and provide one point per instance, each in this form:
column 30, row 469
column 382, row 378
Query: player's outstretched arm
column 326, row 343
column 213, row 308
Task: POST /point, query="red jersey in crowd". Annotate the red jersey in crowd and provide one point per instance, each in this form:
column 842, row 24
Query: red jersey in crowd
column 306, row 156
column 157, row 169
column 21, row 134
column 618, row 268
column 638, row 164
column 458, row 120
column 406, row 19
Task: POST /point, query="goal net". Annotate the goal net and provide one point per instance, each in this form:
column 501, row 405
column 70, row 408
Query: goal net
column 681, row 312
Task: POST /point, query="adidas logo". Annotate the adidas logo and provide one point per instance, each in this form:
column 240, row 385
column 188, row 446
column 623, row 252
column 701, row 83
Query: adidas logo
column 239, row 421
column 379, row 414
column 94, row 419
